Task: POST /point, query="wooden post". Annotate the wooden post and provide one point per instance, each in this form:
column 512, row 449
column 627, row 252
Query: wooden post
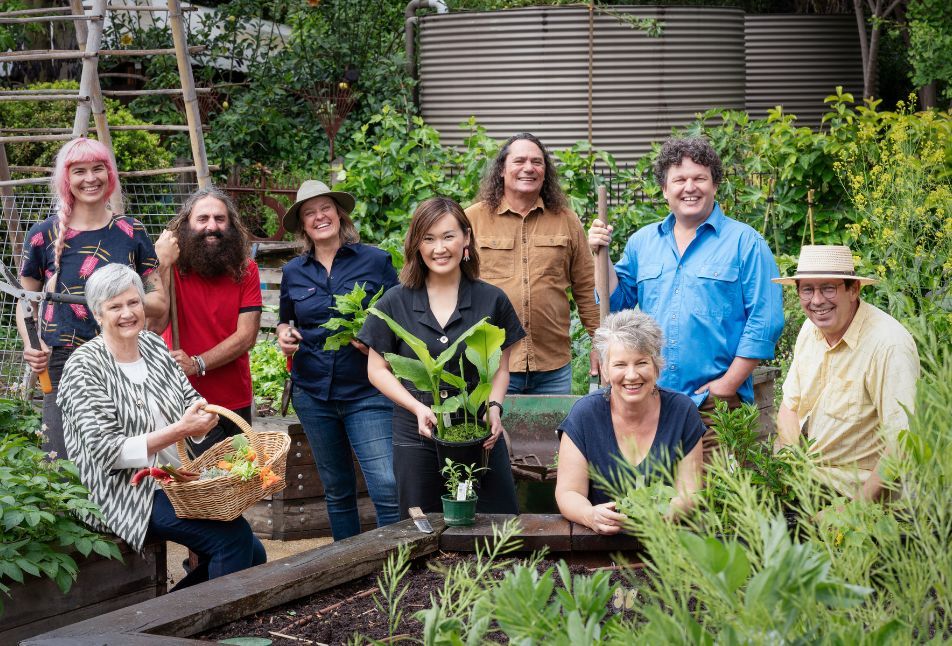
column 810, row 213
column 192, row 114
column 92, row 37
column 10, row 215
column 602, row 260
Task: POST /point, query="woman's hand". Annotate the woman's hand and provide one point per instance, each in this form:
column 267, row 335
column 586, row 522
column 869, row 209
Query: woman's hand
column 426, row 420
column 495, row 426
column 361, row 348
column 37, row 358
column 605, row 520
column 289, row 339
column 197, row 421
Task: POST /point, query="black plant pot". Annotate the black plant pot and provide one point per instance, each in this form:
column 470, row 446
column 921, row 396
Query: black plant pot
column 469, row 452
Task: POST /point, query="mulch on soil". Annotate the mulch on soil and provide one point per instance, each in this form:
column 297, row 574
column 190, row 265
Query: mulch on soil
column 334, row 616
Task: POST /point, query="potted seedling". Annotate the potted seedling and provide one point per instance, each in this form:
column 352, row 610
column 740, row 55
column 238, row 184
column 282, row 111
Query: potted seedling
column 460, row 431
column 459, row 504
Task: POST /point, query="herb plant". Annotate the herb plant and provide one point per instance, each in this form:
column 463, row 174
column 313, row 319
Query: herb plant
column 352, row 316
column 456, row 474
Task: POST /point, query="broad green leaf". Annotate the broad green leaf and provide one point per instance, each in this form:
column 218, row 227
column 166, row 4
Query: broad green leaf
column 483, row 349
column 453, row 380
column 449, row 405
column 411, row 370
column 478, row 397
column 419, row 347
column 448, row 353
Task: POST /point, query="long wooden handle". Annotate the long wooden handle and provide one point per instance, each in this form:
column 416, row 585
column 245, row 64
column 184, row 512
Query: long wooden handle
column 602, row 259
column 173, row 310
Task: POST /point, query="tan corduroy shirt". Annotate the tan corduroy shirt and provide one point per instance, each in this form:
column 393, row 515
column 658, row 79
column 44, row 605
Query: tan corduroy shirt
column 847, row 393
column 534, row 259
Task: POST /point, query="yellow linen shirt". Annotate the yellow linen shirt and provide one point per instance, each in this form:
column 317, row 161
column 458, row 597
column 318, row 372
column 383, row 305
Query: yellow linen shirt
column 534, row 259
column 851, row 396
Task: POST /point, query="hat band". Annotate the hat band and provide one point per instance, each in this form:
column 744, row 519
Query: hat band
column 825, row 272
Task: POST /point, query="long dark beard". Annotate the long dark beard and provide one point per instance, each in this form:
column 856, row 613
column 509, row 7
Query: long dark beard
column 211, row 261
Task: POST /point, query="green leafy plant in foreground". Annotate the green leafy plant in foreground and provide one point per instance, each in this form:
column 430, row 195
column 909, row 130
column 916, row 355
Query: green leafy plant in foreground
column 41, row 500
column 457, row 473
column 352, row 312
column 269, row 371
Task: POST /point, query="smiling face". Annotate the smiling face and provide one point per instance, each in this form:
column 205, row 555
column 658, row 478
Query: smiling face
column 830, row 305
column 442, row 246
column 122, row 317
column 88, row 182
column 524, row 170
column 690, row 191
column 320, row 220
column 209, row 218
column 631, row 374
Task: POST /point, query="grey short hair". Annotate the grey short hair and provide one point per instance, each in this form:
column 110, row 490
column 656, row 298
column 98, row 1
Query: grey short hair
column 108, row 282
column 634, row 330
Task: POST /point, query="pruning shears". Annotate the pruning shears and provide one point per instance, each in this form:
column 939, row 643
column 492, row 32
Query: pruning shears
column 10, row 284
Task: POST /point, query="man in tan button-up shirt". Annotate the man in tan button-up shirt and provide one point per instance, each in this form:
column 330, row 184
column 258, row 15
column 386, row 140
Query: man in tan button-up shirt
column 533, row 247
column 853, row 374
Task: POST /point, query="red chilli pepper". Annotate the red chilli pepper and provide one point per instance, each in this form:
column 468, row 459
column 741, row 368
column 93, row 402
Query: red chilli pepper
column 153, row 472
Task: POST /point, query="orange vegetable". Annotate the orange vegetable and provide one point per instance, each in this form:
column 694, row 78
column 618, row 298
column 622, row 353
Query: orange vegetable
column 251, row 455
column 225, row 465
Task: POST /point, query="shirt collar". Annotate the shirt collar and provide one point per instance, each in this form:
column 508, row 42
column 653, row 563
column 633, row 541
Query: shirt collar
column 853, row 332
column 349, row 249
column 715, row 220
column 421, row 302
column 505, row 208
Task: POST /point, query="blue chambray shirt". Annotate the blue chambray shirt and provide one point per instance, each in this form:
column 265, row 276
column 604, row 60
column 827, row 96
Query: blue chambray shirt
column 714, row 303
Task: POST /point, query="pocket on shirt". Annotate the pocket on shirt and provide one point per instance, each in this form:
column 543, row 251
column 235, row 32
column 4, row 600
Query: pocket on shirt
column 848, row 394
column 496, row 257
column 549, row 255
column 717, row 291
column 648, row 279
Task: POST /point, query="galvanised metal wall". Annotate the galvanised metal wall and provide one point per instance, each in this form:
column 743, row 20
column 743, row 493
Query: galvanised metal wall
column 797, row 61
column 527, row 69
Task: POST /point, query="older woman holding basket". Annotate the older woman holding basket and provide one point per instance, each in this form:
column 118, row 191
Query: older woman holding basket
column 125, row 405
column 632, row 424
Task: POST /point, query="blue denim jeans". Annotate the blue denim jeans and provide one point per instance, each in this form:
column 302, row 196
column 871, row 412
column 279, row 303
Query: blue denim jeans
column 333, row 429
column 542, row 382
column 223, row 547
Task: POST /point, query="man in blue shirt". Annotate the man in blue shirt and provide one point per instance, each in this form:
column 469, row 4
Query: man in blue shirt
column 704, row 277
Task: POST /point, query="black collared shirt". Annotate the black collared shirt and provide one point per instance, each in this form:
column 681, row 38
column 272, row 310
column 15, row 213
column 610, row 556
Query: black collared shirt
column 307, row 293
column 411, row 309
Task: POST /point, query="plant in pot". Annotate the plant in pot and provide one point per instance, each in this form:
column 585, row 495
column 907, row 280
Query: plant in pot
column 459, row 504
column 459, row 433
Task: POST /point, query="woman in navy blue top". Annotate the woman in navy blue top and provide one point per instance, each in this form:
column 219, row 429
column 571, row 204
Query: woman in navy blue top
column 656, row 431
column 338, row 407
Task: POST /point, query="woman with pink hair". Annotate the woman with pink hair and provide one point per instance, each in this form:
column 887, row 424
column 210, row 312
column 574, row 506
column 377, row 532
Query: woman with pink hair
column 64, row 250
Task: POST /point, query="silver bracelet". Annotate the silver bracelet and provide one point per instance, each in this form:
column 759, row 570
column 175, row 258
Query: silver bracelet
column 200, row 363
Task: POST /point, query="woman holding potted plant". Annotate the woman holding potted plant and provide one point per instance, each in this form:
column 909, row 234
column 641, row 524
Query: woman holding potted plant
column 633, row 423
column 338, row 407
column 440, row 299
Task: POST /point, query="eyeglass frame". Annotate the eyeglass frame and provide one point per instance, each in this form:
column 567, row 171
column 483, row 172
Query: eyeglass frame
column 823, row 289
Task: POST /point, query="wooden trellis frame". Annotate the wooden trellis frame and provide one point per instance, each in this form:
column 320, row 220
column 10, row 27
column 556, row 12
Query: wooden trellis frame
column 89, row 97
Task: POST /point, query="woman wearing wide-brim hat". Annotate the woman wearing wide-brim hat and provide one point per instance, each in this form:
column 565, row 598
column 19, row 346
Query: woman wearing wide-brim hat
column 338, row 407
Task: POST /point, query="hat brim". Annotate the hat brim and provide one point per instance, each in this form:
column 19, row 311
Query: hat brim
column 292, row 222
column 792, row 280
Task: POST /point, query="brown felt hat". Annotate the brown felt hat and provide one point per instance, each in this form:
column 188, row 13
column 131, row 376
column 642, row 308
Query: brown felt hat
column 310, row 189
column 825, row 261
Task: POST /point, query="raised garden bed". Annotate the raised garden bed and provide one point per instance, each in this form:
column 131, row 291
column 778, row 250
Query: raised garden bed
column 103, row 585
column 173, row 618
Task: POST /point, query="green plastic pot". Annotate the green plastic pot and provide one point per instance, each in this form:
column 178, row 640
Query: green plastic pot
column 459, row 513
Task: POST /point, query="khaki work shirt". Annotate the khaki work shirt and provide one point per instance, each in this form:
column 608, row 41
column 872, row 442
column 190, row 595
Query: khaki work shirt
column 851, row 396
column 534, row 259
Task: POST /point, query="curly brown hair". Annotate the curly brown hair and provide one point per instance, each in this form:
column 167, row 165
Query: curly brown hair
column 697, row 149
column 492, row 188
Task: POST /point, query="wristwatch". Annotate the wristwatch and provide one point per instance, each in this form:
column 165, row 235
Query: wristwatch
column 497, row 405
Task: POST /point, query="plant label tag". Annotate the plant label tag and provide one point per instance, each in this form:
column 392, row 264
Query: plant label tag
column 446, row 420
column 462, row 490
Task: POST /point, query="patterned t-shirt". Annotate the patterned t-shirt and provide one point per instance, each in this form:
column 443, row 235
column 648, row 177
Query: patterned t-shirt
column 122, row 240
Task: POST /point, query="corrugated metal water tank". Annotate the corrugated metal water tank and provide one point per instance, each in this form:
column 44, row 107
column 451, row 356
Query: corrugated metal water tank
column 797, row 61
column 527, row 69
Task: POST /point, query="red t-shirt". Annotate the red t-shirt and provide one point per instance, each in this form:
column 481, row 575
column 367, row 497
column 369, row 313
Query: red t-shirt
column 208, row 310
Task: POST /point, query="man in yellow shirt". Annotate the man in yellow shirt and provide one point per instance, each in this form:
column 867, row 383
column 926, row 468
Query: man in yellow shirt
column 853, row 374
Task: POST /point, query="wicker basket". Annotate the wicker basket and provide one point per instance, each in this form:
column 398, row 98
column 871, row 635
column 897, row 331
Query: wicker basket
column 225, row 498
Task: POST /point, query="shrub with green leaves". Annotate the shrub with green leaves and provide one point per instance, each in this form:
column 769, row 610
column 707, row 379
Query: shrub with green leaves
column 40, row 501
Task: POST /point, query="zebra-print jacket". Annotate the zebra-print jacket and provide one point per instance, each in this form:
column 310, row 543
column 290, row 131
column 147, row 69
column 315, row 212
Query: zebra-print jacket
column 101, row 408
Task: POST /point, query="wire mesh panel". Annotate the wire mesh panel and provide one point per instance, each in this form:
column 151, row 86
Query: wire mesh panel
column 153, row 204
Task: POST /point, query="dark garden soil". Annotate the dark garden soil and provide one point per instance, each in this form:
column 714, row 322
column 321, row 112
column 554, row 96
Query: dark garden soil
column 334, row 616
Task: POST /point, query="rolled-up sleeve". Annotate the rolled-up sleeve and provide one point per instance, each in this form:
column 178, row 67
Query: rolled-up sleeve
column 625, row 295
column 763, row 302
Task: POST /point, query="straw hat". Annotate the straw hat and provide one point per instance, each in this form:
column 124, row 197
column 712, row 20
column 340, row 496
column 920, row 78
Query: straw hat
column 825, row 261
column 310, row 189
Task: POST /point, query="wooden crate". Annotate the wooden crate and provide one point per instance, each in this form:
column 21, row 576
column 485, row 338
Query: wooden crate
column 300, row 511
column 103, row 585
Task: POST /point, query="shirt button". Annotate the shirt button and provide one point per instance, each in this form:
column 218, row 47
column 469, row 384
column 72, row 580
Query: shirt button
column 443, row 339
column 715, row 274
column 677, row 291
column 674, row 317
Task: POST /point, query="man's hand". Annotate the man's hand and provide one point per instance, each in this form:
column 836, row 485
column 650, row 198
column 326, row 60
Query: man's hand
column 185, row 362
column 720, row 388
column 599, row 235
column 167, row 249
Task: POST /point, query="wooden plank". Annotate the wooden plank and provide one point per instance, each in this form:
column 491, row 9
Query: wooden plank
column 269, row 320
column 536, row 532
column 277, row 519
column 40, row 55
column 154, row 92
column 43, row 97
column 34, row 19
column 123, row 53
column 207, row 605
column 585, row 540
column 162, row 171
column 270, row 297
column 270, row 276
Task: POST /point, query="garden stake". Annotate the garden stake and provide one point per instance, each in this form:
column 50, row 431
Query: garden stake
column 602, row 261
column 770, row 188
column 810, row 213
